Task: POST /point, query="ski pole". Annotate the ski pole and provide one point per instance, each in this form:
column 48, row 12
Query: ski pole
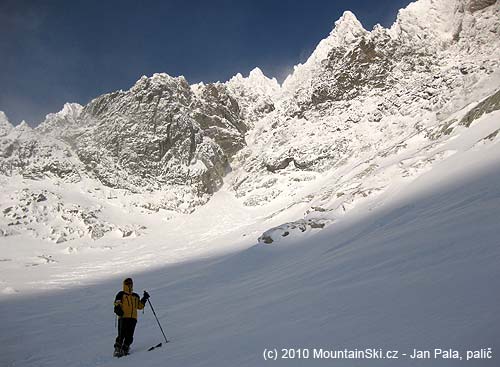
column 158, row 321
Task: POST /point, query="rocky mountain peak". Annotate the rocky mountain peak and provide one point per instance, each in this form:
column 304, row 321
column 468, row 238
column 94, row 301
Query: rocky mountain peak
column 255, row 94
column 70, row 111
column 427, row 20
column 346, row 32
column 23, row 127
column 158, row 82
column 347, row 29
column 5, row 125
column 56, row 122
column 437, row 23
column 257, row 75
column 256, row 81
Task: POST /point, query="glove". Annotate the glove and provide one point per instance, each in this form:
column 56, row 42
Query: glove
column 145, row 298
column 118, row 310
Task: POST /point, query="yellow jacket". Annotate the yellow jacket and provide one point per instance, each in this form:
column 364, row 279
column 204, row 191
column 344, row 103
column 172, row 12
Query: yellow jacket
column 129, row 302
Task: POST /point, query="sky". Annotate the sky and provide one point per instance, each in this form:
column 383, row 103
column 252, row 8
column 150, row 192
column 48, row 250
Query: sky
column 52, row 51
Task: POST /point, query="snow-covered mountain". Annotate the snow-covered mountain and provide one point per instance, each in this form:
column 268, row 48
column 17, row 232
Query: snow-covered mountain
column 355, row 203
column 360, row 106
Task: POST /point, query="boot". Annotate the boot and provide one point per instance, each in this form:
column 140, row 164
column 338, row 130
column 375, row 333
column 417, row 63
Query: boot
column 118, row 351
column 125, row 350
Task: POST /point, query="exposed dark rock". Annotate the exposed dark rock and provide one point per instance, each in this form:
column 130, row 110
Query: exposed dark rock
column 285, row 229
column 41, row 197
column 493, row 135
column 475, row 5
column 490, row 104
column 273, row 167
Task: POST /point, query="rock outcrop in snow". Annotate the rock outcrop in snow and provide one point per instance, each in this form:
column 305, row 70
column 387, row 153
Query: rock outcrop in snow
column 45, row 215
column 26, row 152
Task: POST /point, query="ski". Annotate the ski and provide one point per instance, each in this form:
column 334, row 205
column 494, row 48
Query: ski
column 156, row 346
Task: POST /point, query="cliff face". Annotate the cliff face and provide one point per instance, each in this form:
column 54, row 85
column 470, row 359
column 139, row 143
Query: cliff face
column 160, row 133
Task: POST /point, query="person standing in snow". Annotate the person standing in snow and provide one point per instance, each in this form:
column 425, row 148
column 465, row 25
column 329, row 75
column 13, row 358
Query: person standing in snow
column 126, row 305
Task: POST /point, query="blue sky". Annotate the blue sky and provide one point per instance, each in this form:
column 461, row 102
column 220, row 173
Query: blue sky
column 54, row 52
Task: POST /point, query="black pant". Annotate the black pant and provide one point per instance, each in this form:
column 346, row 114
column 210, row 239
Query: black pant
column 126, row 328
